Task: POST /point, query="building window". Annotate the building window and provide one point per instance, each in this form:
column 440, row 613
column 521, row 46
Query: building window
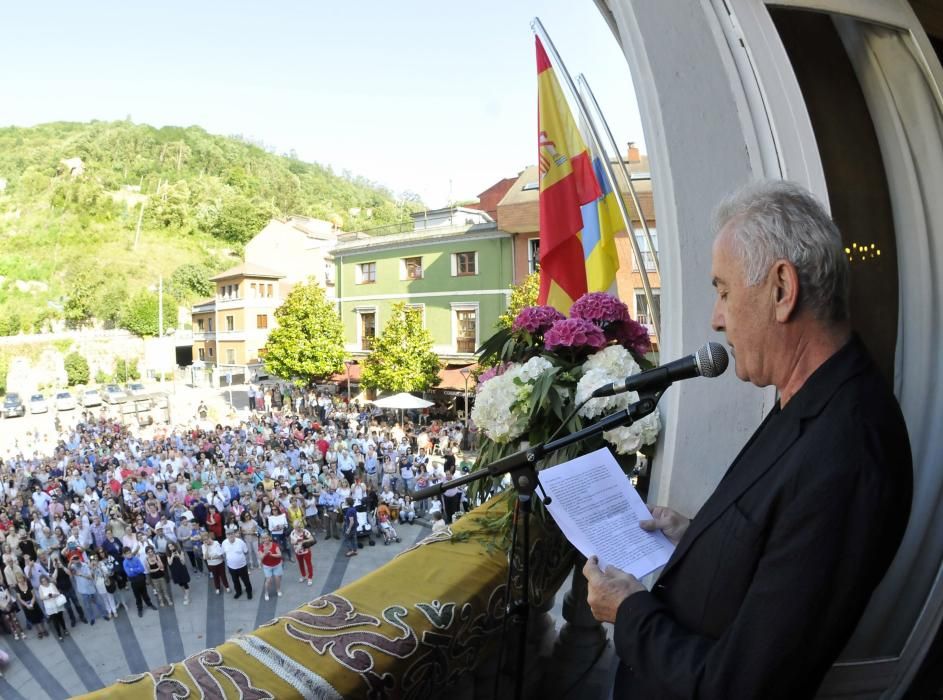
column 211, row 323
column 235, row 291
column 230, row 357
column 411, row 268
column 647, row 256
column 211, row 352
column 366, row 273
column 368, row 329
column 466, row 330
column 254, row 290
column 420, row 309
column 261, row 321
column 464, row 264
column 202, row 353
column 533, row 255
column 199, row 324
column 230, row 323
column 642, row 314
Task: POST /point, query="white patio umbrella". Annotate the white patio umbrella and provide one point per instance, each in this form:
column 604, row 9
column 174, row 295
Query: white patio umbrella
column 402, row 402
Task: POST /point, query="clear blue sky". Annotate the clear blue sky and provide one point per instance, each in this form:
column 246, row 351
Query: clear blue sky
column 411, row 94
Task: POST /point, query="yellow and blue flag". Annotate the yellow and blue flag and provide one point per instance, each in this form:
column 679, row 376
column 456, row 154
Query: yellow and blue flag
column 602, row 222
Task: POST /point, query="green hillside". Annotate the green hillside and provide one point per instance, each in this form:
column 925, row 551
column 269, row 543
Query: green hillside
column 68, row 244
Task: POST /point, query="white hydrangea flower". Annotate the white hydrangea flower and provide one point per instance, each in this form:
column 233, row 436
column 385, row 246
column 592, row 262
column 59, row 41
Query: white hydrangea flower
column 612, row 364
column 502, row 406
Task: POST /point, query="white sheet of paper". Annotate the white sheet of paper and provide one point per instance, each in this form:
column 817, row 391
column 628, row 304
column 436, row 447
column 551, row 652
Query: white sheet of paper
column 598, row 511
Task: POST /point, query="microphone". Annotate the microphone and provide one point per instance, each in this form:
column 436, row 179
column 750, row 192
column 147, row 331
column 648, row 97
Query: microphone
column 709, row 361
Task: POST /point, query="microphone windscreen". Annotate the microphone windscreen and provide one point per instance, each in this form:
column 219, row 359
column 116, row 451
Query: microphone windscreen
column 712, row 360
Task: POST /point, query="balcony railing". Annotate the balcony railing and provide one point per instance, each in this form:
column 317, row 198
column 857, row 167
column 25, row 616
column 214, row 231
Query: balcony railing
column 366, row 343
column 466, row 345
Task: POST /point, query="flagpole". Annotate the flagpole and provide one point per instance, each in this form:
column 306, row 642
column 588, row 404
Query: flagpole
column 607, row 166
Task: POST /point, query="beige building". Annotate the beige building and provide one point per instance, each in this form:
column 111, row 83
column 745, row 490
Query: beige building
column 298, row 247
column 230, row 329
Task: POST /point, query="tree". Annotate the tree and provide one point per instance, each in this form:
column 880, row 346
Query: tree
column 126, row 370
column 402, row 357
column 140, row 315
column 309, row 341
column 522, row 296
column 78, row 307
column 191, row 280
column 239, row 220
column 76, row 369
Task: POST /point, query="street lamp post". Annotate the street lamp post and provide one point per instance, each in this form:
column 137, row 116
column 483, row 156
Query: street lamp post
column 465, row 371
column 348, row 363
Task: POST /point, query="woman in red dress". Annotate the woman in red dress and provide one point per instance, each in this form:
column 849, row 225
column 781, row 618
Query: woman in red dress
column 214, row 524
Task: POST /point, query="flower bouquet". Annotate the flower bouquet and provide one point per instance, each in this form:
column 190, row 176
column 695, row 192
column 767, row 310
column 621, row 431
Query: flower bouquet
column 544, row 366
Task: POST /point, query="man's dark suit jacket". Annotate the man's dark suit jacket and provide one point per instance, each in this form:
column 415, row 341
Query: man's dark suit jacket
column 771, row 577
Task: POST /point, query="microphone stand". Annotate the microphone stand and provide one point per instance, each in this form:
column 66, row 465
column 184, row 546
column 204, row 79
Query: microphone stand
column 523, row 469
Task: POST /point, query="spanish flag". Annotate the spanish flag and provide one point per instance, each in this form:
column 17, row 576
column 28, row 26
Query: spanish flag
column 567, row 182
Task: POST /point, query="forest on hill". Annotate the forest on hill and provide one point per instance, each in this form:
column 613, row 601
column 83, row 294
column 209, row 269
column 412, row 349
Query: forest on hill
column 92, row 214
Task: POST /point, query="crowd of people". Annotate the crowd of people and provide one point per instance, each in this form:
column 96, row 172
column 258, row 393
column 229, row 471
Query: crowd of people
column 111, row 517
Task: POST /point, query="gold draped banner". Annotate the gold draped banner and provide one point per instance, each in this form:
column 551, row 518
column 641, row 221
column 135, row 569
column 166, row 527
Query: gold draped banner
column 406, row 630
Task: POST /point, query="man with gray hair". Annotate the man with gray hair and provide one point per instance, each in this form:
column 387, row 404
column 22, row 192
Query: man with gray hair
column 768, row 581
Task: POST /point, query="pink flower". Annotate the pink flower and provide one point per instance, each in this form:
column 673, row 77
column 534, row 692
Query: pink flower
column 600, row 308
column 574, row 333
column 633, row 336
column 536, row 319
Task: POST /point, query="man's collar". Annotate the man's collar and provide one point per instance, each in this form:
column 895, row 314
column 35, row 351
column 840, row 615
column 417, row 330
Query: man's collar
column 849, row 361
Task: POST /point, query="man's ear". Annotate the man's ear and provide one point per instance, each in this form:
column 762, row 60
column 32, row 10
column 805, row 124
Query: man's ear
column 785, row 282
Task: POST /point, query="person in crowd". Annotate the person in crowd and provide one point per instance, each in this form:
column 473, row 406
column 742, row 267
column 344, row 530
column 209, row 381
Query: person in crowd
column 407, row 509
column 104, row 586
column 84, row 585
column 302, row 541
column 8, row 612
column 214, row 523
column 350, row 528
column 249, row 531
column 215, row 559
column 270, row 555
column 115, row 568
column 177, row 567
column 438, row 523
column 236, row 553
column 30, row 605
column 53, row 605
column 157, row 574
column 62, row 577
column 278, row 527
column 329, row 507
column 190, row 543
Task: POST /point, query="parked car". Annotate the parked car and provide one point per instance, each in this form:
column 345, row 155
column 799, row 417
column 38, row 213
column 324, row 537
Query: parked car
column 91, row 397
column 114, row 394
column 136, row 390
column 13, row 406
column 65, row 401
column 38, row 404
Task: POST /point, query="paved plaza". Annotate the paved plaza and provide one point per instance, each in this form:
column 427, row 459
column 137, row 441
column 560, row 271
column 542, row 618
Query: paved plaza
column 96, row 656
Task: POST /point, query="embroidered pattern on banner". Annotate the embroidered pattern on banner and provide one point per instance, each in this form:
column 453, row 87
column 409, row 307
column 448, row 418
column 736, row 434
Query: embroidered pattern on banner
column 454, row 645
column 306, row 682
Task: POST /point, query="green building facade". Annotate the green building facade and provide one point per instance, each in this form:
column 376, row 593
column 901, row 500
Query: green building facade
column 459, row 277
